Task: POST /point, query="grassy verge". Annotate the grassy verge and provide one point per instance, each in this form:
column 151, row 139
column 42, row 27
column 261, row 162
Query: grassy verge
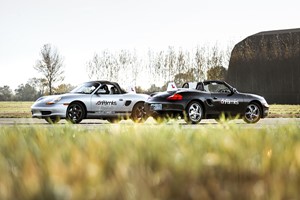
column 150, row 162
column 15, row 109
column 285, row 111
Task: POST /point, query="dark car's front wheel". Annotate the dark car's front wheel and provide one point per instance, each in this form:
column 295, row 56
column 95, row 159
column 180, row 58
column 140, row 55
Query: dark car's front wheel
column 75, row 113
column 252, row 113
column 194, row 112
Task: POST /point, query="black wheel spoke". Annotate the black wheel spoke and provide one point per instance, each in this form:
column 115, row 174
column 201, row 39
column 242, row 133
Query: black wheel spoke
column 75, row 113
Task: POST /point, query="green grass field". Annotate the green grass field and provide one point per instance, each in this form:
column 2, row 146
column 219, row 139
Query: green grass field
column 139, row 161
column 15, row 109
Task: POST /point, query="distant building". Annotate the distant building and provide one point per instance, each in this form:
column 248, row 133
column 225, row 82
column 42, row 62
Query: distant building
column 268, row 63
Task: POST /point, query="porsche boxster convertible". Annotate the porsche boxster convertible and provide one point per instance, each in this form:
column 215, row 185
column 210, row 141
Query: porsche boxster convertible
column 206, row 100
column 92, row 100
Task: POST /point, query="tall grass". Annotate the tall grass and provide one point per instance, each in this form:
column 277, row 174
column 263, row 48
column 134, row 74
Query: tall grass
column 150, row 162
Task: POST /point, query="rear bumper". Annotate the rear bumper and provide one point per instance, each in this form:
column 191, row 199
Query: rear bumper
column 166, row 109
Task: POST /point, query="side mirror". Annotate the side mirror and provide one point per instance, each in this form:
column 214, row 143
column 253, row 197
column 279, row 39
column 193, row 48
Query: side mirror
column 234, row 90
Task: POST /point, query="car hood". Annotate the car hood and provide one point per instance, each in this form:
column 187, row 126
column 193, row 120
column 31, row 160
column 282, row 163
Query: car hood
column 255, row 96
column 53, row 97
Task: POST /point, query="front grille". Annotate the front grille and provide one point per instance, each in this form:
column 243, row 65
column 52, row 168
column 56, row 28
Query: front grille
column 46, row 112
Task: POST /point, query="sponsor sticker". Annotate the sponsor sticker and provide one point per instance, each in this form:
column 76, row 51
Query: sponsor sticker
column 230, row 101
column 106, row 103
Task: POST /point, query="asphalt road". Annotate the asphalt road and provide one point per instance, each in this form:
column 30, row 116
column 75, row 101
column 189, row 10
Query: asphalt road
column 97, row 123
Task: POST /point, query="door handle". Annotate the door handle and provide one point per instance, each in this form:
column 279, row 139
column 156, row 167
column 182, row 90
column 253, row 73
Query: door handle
column 120, row 99
column 215, row 98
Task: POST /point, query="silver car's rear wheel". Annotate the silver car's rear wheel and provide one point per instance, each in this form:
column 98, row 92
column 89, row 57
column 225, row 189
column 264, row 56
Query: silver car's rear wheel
column 252, row 113
column 194, row 112
column 75, row 113
column 138, row 114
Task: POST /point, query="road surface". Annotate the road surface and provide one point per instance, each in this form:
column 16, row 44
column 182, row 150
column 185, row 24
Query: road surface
column 97, row 123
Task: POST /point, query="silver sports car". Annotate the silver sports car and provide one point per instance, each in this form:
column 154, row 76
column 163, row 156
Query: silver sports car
column 92, row 100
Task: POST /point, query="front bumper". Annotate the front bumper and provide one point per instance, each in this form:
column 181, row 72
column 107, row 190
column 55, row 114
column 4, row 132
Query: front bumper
column 55, row 110
column 265, row 112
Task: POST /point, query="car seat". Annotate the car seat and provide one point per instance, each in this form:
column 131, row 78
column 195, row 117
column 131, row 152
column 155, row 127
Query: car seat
column 112, row 90
column 200, row 87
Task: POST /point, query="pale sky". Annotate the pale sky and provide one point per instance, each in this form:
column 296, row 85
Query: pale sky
column 80, row 28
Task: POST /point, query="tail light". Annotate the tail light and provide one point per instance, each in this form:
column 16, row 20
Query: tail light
column 175, row 97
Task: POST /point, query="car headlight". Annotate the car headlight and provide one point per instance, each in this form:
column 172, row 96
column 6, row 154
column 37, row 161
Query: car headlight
column 53, row 101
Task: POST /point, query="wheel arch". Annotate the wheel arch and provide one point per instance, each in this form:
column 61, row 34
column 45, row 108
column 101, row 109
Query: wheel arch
column 140, row 101
column 199, row 101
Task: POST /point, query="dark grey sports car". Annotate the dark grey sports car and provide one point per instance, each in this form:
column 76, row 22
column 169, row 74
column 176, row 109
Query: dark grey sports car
column 206, row 100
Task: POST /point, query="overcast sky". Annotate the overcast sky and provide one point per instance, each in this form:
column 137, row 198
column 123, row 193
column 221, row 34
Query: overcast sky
column 80, row 28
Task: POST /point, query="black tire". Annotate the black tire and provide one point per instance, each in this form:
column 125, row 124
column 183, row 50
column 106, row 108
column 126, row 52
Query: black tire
column 138, row 113
column 252, row 113
column 75, row 113
column 193, row 113
column 52, row 120
column 113, row 120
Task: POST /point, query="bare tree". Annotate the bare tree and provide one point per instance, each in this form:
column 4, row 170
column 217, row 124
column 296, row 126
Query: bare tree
column 50, row 66
column 199, row 61
column 170, row 62
column 160, row 67
column 124, row 66
column 103, row 66
column 93, row 67
column 216, row 58
column 159, row 71
column 181, row 68
column 137, row 67
column 39, row 84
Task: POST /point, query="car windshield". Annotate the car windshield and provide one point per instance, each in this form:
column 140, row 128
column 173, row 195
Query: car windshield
column 86, row 88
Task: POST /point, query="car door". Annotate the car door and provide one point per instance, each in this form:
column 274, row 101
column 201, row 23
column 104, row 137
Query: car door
column 106, row 102
column 223, row 98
